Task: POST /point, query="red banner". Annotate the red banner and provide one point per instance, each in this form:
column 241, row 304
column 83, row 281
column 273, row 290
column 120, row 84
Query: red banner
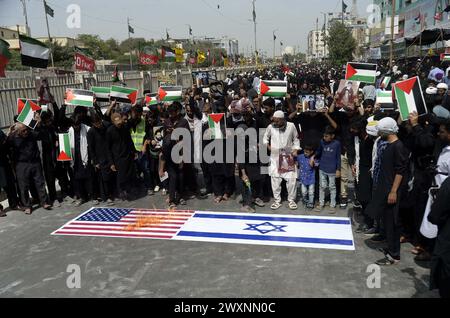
column 83, row 63
column 146, row 59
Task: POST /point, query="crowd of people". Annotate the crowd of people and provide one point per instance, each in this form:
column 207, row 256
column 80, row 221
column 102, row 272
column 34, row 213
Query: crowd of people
column 357, row 153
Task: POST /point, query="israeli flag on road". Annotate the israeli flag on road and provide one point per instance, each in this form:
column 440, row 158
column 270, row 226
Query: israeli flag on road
column 268, row 229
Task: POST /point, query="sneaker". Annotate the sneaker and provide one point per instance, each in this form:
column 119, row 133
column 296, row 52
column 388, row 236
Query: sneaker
column 361, row 229
column 56, row 204
column 109, row 202
column 378, row 239
column 319, row 208
column 164, row 192
column 387, row 261
column 182, row 202
column 95, row 202
column 310, row 206
column 78, row 203
column 371, row 231
column 247, row 209
column 344, row 203
column 260, row 203
column 150, row 192
column 357, row 205
column 333, row 210
column 156, row 189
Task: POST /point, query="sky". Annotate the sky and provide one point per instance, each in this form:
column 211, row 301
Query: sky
column 150, row 18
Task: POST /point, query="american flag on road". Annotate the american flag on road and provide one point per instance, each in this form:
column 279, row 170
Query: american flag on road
column 130, row 223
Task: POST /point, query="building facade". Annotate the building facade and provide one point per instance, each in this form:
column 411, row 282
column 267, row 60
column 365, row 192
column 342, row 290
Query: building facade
column 414, row 16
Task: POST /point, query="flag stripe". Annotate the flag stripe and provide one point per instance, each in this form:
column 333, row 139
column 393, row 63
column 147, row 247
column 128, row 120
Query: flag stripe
column 34, row 62
column 265, row 218
column 363, row 78
column 364, row 66
column 267, row 238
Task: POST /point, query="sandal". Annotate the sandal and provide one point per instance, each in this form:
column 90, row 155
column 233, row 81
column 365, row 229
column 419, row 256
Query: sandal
column 28, row 211
column 417, row 250
column 172, row 206
column 275, row 206
column 292, row 205
column 226, row 197
column 404, row 240
column 217, row 200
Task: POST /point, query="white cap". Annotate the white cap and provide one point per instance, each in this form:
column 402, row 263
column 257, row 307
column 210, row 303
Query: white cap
column 371, row 128
column 388, row 126
column 279, row 114
column 431, row 91
column 442, row 86
column 378, row 73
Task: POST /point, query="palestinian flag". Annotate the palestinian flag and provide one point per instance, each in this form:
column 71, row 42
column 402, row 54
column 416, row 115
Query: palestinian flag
column 410, row 98
column 218, row 126
column 5, row 56
column 168, row 55
column 385, row 82
column 170, row 93
column 65, row 152
column 445, row 57
column 79, row 97
column 21, row 104
column 101, row 93
column 26, row 116
column 275, row 89
column 151, row 99
column 124, row 94
column 384, row 98
column 33, row 52
column 361, row 72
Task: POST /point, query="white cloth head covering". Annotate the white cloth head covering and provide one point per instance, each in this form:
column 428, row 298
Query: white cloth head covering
column 371, row 128
column 442, row 86
column 279, row 114
column 431, row 91
column 388, row 126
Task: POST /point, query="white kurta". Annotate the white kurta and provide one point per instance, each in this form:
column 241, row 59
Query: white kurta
column 286, row 140
column 428, row 229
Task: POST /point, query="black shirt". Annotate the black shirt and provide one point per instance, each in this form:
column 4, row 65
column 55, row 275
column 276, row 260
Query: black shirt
column 25, row 149
column 394, row 162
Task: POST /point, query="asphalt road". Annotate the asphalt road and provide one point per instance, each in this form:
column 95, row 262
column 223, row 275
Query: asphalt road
column 34, row 264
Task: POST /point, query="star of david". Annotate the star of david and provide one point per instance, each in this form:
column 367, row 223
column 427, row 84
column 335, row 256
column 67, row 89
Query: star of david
column 265, row 228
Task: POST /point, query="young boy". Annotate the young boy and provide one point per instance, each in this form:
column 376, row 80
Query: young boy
column 329, row 154
column 307, row 176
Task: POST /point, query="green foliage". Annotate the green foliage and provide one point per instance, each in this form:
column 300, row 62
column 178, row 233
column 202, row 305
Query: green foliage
column 341, row 44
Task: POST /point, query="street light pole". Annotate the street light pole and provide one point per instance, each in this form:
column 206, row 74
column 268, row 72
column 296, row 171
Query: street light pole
column 129, row 37
column 391, row 55
column 274, row 39
column 254, row 22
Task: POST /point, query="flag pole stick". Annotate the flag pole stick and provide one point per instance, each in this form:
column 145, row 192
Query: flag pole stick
column 129, row 37
column 391, row 55
column 48, row 32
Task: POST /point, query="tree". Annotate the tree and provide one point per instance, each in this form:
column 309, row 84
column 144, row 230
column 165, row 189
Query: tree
column 96, row 46
column 341, row 44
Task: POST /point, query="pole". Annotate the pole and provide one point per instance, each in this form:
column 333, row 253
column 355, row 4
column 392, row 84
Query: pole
column 129, row 37
column 342, row 11
column 391, row 55
column 274, row 44
column 24, row 4
column 254, row 22
column 48, row 32
column 325, row 36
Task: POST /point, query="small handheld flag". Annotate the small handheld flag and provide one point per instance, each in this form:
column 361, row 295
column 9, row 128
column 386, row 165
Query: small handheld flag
column 27, row 115
column 21, row 104
column 275, row 89
column 101, row 93
column 65, row 152
column 410, row 98
column 384, row 98
column 123, row 94
column 217, row 124
column 79, row 97
column 170, row 93
column 361, row 72
column 151, row 99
